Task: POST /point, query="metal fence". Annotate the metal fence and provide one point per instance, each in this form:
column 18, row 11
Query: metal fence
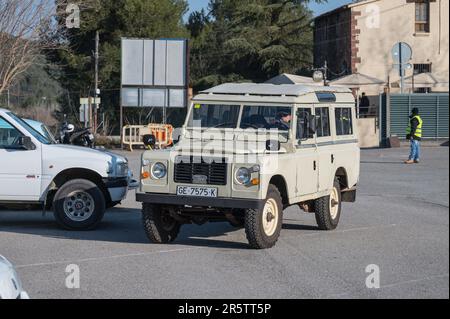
column 434, row 110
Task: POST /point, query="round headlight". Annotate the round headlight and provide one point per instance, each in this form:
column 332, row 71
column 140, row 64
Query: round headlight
column 243, row 176
column 159, row 170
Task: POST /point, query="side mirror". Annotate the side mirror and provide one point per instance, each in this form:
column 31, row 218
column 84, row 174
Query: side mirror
column 149, row 140
column 25, row 143
column 273, row 145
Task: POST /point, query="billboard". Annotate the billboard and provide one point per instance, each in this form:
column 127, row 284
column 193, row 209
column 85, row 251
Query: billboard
column 154, row 73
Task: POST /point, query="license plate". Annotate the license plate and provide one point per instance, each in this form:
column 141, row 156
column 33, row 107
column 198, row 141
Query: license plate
column 197, row 191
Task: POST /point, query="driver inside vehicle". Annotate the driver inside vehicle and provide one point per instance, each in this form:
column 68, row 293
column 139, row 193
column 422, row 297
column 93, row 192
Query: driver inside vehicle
column 283, row 121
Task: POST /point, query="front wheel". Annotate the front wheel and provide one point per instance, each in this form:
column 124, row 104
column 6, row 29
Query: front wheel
column 160, row 227
column 263, row 226
column 328, row 208
column 79, row 205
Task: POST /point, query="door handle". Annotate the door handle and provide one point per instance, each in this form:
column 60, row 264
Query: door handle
column 315, row 165
column 332, row 158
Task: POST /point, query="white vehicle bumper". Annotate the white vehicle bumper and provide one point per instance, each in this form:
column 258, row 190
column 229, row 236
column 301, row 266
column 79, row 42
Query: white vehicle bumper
column 118, row 188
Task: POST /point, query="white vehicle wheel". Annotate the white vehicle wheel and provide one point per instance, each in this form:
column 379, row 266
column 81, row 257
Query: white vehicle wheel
column 79, row 205
column 328, row 208
column 263, row 226
column 270, row 217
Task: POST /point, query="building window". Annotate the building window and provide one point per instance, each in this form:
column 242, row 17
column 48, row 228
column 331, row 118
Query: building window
column 422, row 68
column 423, row 16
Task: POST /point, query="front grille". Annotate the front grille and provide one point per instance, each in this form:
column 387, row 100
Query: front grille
column 215, row 171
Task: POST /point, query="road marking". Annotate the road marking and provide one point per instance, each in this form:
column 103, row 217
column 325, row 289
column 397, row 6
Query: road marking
column 107, row 257
column 320, row 233
column 414, row 281
column 346, row 294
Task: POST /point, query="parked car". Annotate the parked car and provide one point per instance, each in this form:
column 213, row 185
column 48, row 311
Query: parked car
column 77, row 183
column 247, row 152
column 10, row 284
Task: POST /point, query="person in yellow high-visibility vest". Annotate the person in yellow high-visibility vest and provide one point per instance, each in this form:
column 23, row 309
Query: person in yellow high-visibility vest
column 414, row 135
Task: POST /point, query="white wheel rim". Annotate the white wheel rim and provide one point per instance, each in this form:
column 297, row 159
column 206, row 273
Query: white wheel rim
column 270, row 217
column 79, row 206
column 334, row 203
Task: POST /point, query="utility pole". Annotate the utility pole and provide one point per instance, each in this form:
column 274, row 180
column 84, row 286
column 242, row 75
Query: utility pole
column 97, row 40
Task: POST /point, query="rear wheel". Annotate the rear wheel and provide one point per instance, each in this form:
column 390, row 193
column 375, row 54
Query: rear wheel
column 263, row 226
column 79, row 205
column 159, row 226
column 328, row 208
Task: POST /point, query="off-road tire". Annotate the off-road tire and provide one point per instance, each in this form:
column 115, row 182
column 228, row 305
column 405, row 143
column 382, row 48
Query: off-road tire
column 323, row 208
column 79, row 185
column 156, row 231
column 254, row 228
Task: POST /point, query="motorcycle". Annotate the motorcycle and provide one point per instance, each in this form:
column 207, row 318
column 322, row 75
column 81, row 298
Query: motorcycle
column 80, row 137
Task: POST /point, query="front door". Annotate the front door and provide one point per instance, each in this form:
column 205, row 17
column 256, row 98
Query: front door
column 20, row 169
column 306, row 154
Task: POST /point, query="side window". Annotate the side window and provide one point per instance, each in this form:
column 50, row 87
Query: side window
column 9, row 135
column 303, row 116
column 344, row 125
column 323, row 122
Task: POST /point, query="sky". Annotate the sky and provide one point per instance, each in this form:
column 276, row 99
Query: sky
column 318, row 9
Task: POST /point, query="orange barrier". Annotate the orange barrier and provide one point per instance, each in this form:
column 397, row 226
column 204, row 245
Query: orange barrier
column 132, row 135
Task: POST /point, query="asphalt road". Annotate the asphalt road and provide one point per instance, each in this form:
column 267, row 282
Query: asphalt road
column 400, row 223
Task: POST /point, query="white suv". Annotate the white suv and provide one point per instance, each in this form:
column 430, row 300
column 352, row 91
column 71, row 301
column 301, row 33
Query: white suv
column 247, row 152
column 79, row 184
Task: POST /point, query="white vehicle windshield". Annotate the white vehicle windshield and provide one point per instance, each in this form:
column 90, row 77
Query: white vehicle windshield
column 32, row 131
column 214, row 116
column 253, row 117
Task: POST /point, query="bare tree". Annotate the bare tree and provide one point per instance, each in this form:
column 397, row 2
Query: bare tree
column 22, row 27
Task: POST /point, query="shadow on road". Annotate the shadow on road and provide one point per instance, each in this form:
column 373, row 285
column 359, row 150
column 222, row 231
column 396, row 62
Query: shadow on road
column 119, row 226
column 125, row 226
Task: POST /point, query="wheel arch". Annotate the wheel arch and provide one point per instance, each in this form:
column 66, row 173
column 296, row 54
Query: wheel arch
column 342, row 176
column 77, row 173
column 280, row 182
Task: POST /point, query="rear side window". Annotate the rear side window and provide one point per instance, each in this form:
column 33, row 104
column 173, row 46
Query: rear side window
column 344, row 125
column 323, row 122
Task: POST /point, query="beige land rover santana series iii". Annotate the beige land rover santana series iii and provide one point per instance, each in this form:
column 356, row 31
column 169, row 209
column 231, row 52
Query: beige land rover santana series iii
column 247, row 152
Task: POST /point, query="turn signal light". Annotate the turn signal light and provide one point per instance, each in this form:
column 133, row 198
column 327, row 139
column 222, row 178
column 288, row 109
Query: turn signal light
column 145, row 175
column 255, row 181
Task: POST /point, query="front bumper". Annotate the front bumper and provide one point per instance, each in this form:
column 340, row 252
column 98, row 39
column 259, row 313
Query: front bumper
column 217, row 202
column 118, row 187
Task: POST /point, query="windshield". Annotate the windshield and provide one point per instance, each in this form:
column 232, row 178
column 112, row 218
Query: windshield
column 267, row 117
column 41, row 129
column 253, row 117
column 214, row 116
column 30, row 130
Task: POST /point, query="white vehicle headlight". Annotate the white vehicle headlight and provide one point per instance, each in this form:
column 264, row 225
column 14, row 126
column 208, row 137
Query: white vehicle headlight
column 122, row 169
column 159, row 171
column 243, row 176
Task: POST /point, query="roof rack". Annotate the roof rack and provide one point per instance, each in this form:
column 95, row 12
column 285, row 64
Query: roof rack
column 264, row 89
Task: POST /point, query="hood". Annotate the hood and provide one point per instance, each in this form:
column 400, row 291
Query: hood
column 221, row 146
column 238, row 142
column 78, row 151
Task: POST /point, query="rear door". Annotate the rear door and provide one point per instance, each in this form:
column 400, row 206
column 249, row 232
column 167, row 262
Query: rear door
column 306, row 154
column 20, row 170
